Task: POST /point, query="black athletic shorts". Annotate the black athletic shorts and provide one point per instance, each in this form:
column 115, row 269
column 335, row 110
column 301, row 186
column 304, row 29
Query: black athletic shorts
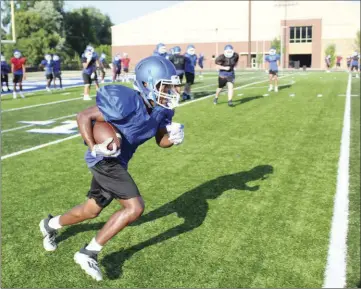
column 126, row 69
column 4, row 78
column 111, row 181
column 189, row 77
column 49, row 76
column 18, row 78
column 273, row 72
column 338, row 64
column 57, row 74
column 222, row 81
column 354, row 67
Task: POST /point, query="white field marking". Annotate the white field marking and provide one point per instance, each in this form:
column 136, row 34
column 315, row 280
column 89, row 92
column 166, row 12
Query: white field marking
column 335, row 273
column 346, row 95
column 292, row 95
column 29, row 125
column 319, row 95
column 240, row 94
column 42, row 104
column 74, row 136
column 38, row 147
column 266, row 94
column 66, row 93
column 291, row 83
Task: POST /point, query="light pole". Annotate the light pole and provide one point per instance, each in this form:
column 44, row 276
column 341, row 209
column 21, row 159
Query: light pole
column 282, row 52
column 216, row 42
column 249, row 33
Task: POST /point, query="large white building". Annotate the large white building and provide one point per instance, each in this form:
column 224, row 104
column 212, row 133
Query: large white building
column 305, row 29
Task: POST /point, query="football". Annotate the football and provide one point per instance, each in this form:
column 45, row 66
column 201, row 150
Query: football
column 103, row 130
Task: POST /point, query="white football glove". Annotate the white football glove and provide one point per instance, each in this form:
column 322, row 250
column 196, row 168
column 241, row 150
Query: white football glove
column 175, row 132
column 102, row 149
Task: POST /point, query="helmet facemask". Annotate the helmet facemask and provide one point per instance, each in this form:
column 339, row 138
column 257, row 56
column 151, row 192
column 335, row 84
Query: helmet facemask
column 228, row 53
column 165, row 92
column 162, row 50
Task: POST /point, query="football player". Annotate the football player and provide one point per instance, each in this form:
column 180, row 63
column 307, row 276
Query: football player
column 189, row 69
column 226, row 64
column 355, row 63
column 161, row 50
column 57, row 70
column 338, row 61
column 348, row 62
column 5, row 70
column 18, row 69
column 328, row 62
column 200, row 64
column 47, row 64
column 117, row 67
column 178, row 61
column 125, row 62
column 273, row 60
column 102, row 64
column 138, row 114
column 90, row 62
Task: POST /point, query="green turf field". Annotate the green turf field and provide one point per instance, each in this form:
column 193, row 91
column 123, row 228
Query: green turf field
column 245, row 201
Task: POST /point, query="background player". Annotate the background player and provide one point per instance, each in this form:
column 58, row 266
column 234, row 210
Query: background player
column 90, row 62
column 5, row 70
column 102, row 64
column 226, row 63
column 179, row 62
column 273, row 60
column 125, row 62
column 57, row 70
column 161, row 50
column 189, row 69
column 147, row 115
column 117, row 67
column 201, row 64
column 48, row 65
column 18, row 69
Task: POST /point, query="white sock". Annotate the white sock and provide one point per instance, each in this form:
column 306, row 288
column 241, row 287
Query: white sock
column 94, row 246
column 54, row 223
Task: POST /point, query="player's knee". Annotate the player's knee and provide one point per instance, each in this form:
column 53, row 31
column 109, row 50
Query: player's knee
column 134, row 212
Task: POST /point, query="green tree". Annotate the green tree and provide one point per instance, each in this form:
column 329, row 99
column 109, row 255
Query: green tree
column 331, row 50
column 107, row 49
column 276, row 43
column 85, row 26
column 259, row 59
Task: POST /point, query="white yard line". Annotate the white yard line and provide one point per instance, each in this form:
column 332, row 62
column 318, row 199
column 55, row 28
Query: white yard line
column 29, row 125
column 74, row 136
column 42, row 104
column 335, row 273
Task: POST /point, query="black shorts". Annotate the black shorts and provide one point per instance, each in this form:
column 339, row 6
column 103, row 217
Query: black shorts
column 49, row 76
column 87, row 79
column 181, row 75
column 338, row 64
column 118, row 71
column 111, row 181
column 18, row 78
column 189, row 77
column 126, row 69
column 57, row 75
column 273, row 72
column 354, row 67
column 328, row 65
column 222, row 81
column 4, row 78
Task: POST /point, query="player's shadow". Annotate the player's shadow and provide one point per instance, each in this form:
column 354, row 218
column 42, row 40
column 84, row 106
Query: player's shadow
column 246, row 99
column 284, row 86
column 192, row 206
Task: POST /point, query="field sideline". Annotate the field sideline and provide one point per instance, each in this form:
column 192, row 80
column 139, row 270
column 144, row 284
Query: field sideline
column 246, row 201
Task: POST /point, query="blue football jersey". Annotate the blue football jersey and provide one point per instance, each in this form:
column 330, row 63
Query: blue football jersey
column 48, row 66
column 272, row 60
column 124, row 108
column 190, row 63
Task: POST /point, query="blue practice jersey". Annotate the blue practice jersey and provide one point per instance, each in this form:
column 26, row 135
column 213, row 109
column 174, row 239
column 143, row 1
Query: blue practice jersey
column 355, row 60
column 48, row 65
column 124, row 108
column 272, row 60
column 117, row 64
column 190, row 63
column 92, row 64
column 5, row 68
column 57, row 66
column 200, row 61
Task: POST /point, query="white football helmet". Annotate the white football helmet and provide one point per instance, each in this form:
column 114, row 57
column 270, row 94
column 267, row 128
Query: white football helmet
column 56, row 57
column 272, row 51
column 191, row 50
column 17, row 54
column 47, row 57
column 2, row 58
column 228, row 51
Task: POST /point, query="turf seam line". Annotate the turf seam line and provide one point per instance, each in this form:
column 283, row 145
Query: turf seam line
column 74, row 136
column 335, row 273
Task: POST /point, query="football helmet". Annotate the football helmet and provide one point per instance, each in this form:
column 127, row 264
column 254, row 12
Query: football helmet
column 154, row 75
column 228, row 51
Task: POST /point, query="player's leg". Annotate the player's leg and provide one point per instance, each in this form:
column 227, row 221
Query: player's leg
column 60, row 80
column 116, row 182
column 54, row 82
column 15, row 81
column 230, row 92
column 96, row 80
column 275, row 78
column 87, row 82
column 21, row 86
column 222, row 81
column 270, row 77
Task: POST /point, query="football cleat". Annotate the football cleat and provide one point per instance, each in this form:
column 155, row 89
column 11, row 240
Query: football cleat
column 230, row 103
column 215, row 100
column 88, row 261
column 49, row 234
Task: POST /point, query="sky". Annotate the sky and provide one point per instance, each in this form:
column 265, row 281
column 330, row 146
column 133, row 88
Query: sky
column 122, row 11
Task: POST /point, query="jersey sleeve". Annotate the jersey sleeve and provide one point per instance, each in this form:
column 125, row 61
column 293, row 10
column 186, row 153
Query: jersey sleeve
column 167, row 118
column 117, row 102
column 43, row 62
column 219, row 60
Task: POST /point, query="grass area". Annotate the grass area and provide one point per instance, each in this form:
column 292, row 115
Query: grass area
column 353, row 258
column 245, row 201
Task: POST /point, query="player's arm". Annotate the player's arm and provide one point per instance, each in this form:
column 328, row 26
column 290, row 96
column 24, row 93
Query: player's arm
column 219, row 65
column 24, row 70
column 162, row 138
column 84, row 120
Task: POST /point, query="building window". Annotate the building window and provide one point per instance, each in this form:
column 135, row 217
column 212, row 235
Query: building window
column 301, row 34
